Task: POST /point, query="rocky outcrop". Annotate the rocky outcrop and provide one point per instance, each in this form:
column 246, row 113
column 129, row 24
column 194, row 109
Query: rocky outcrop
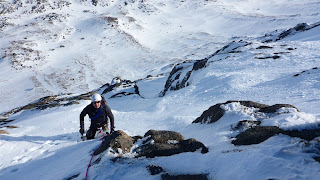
column 163, row 136
column 184, row 177
column 181, row 73
column 50, row 102
column 214, row 113
column 117, row 140
column 155, row 143
column 167, row 143
column 250, row 131
column 301, row 27
column 154, row 170
column 307, row 71
column 3, row 132
column 258, row 134
column 120, row 87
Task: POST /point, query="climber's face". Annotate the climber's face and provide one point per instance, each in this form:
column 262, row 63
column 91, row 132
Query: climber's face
column 97, row 104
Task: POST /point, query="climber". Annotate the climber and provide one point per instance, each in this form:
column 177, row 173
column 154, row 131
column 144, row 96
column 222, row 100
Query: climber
column 98, row 112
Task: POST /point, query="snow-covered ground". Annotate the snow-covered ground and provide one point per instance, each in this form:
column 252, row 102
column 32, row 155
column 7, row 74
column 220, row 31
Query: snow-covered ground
column 59, row 47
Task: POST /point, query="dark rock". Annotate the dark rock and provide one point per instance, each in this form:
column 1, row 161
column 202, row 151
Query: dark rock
column 235, row 52
column 184, row 177
column 213, row 114
column 298, row 28
column 175, row 82
column 249, row 104
column 116, row 140
column 94, row 2
column 72, row 177
column 269, row 57
column 5, row 121
column 191, row 145
column 136, row 138
column 241, row 125
column 50, row 102
column 3, row 132
column 121, row 94
column 256, row 135
column 121, row 87
column 264, row 47
column 163, row 136
column 154, row 170
column 306, row 71
column 307, row 134
column 274, row 108
column 317, row 158
column 171, row 144
column 11, row 127
column 199, row 64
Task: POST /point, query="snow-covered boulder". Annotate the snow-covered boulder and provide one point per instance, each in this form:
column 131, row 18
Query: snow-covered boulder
column 214, row 113
column 255, row 122
column 117, row 140
column 154, row 143
column 167, row 143
column 256, row 135
column 154, row 170
column 301, row 27
column 120, row 87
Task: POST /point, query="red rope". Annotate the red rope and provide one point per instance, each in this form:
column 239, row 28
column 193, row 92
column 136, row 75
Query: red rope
column 92, row 156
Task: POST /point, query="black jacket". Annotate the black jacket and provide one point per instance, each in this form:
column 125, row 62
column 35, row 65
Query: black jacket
column 99, row 120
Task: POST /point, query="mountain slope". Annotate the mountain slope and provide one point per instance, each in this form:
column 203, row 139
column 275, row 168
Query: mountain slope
column 60, row 47
column 55, row 47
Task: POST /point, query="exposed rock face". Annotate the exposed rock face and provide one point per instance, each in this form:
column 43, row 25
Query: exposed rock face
column 3, row 132
column 307, row 71
column 184, row 177
column 245, row 124
column 167, row 143
column 298, row 28
column 274, row 108
column 163, row 136
column 215, row 112
column 256, row 135
column 250, row 131
column 154, row 170
column 307, row 134
column 181, row 73
column 156, row 143
column 116, row 140
column 121, row 88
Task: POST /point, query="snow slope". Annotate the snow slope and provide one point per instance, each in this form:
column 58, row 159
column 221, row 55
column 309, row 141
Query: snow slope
column 57, row 47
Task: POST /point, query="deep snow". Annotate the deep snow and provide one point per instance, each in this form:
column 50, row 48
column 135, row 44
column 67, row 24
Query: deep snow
column 89, row 47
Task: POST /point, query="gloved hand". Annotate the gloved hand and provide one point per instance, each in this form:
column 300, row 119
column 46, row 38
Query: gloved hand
column 112, row 130
column 81, row 131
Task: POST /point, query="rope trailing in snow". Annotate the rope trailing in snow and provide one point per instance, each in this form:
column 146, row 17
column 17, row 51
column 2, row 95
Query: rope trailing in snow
column 93, row 155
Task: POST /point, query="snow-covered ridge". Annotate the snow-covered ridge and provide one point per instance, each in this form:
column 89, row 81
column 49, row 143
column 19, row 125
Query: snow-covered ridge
column 98, row 40
column 55, row 54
